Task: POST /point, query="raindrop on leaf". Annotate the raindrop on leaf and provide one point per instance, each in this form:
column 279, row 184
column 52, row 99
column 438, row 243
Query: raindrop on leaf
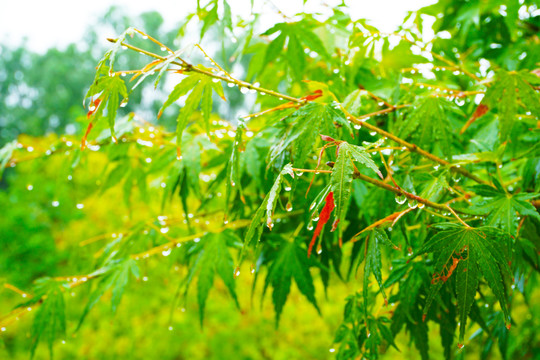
column 400, row 199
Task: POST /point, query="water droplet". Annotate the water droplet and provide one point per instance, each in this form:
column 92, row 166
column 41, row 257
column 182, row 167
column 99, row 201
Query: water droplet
column 299, row 173
column 55, row 203
column 412, row 204
column 3, row 329
column 145, row 37
column 400, row 199
column 421, row 205
column 332, row 350
column 124, row 103
column 373, row 133
column 315, row 216
column 148, row 160
column 244, row 90
column 436, row 167
column 196, row 240
column 170, row 328
column 310, row 226
column 289, row 207
column 29, row 187
column 280, row 98
column 357, row 126
column 163, row 48
column 80, row 206
column 166, row 252
column 145, row 278
column 287, row 188
column 231, row 85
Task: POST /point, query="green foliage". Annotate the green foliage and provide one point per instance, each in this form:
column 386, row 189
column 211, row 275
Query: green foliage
column 50, row 318
column 438, row 215
column 475, row 251
column 290, row 263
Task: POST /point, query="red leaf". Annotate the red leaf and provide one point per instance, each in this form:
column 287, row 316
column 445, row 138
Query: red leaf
column 323, row 219
column 480, row 111
column 95, row 107
column 83, row 141
column 315, row 95
column 327, row 138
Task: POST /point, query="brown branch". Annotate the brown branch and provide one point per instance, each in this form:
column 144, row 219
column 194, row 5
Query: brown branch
column 408, row 146
column 187, row 67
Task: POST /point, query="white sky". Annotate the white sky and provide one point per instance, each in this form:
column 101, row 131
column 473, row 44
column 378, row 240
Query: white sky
column 48, row 23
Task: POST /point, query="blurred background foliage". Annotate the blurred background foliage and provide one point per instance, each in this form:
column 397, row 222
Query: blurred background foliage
column 55, row 209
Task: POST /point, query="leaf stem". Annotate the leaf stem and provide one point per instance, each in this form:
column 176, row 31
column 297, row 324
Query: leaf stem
column 456, row 215
column 407, row 145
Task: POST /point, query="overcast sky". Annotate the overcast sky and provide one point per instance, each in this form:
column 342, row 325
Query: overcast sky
column 48, row 23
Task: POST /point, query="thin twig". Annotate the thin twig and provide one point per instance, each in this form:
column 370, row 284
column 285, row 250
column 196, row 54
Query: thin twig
column 456, row 215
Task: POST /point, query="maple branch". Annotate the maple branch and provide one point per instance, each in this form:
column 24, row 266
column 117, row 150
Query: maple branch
column 396, row 190
column 187, row 67
column 357, row 120
column 409, row 146
column 16, row 290
column 15, row 314
column 401, row 192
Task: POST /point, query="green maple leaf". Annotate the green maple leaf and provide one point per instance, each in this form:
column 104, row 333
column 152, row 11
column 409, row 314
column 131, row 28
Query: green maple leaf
column 427, row 123
column 233, row 169
column 307, row 123
column 342, row 176
column 108, row 88
column 213, row 258
column 295, row 35
column 268, row 206
column 115, row 276
column 478, row 251
column 503, row 95
column 50, row 319
column 291, row 263
column 503, row 209
column 373, row 263
column 200, row 88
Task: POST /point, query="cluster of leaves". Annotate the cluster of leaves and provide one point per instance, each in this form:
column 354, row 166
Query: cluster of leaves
column 444, row 220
